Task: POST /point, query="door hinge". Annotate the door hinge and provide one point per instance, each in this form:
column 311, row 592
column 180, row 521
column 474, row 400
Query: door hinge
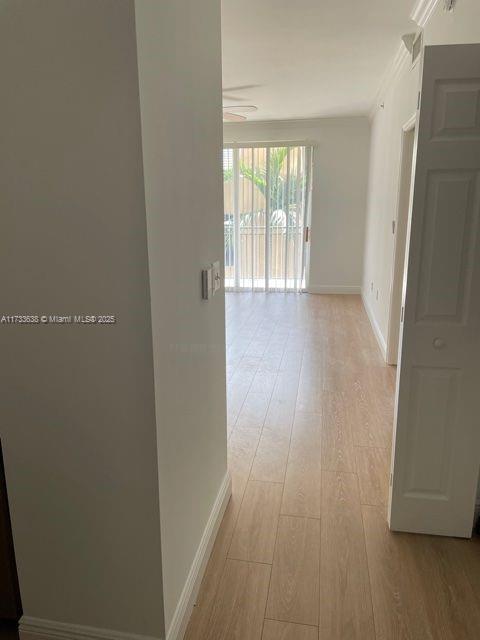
column 307, row 234
column 402, row 314
column 393, row 227
column 391, row 478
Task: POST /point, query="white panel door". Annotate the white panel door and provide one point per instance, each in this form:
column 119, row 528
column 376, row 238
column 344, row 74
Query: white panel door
column 437, row 419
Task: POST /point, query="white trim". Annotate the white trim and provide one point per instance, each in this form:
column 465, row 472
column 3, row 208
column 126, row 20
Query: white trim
column 334, row 289
column 376, row 329
column 402, row 56
column 391, row 354
column 186, row 603
column 421, row 14
column 422, row 11
column 39, row 629
column 51, row 630
column 410, row 123
column 293, row 122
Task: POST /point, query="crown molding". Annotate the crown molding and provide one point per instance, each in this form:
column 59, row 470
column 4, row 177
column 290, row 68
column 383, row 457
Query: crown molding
column 310, row 120
column 421, row 14
column 422, row 11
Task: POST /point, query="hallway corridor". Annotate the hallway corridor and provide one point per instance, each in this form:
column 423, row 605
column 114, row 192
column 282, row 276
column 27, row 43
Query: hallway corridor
column 304, row 552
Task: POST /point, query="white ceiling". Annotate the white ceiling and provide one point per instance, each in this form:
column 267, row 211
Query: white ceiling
column 309, row 58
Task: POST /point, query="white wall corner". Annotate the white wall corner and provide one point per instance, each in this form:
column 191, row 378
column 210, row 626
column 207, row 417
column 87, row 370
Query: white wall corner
column 376, row 329
column 39, row 629
column 186, row 603
column 334, row 289
column 402, row 56
column 422, row 11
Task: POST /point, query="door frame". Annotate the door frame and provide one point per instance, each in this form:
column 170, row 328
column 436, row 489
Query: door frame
column 398, row 265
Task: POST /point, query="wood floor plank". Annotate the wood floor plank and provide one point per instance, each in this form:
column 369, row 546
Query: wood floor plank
column 293, row 594
column 270, row 461
column 398, row 596
column 242, row 446
column 373, row 469
column 272, row 360
column 345, row 599
column 292, row 359
column 254, row 409
column 370, row 427
column 281, row 410
column 310, row 390
column 264, row 381
column 451, row 602
column 467, row 552
column 301, row 494
column 256, row 528
column 337, row 441
column 306, row 435
column 275, row 630
column 239, row 608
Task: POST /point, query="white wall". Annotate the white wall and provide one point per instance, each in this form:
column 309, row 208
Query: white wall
column 340, row 176
column 182, row 141
column 461, row 26
column 77, row 403
column 111, row 198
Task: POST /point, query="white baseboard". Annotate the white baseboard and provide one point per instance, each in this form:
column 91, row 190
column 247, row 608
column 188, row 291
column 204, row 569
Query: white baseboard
column 376, row 329
column 334, row 289
column 185, row 605
column 38, row 629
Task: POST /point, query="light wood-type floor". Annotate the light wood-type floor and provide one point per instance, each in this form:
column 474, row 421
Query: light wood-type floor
column 304, row 552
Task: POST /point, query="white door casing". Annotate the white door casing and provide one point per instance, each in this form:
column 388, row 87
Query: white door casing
column 436, row 453
column 400, row 236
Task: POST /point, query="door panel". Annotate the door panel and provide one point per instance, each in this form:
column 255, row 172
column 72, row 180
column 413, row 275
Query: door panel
column 432, row 409
column 437, row 428
column 450, row 219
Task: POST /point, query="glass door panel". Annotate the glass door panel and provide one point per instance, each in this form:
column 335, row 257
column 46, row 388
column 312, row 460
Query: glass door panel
column 266, row 210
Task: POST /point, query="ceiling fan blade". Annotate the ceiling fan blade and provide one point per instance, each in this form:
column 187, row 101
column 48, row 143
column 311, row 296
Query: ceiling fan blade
column 233, row 98
column 233, row 117
column 241, row 108
column 241, row 87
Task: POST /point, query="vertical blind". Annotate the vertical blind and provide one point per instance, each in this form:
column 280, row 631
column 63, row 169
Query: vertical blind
column 267, row 204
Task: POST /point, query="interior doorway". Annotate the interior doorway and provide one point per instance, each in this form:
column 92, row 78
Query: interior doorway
column 266, row 217
column 399, row 228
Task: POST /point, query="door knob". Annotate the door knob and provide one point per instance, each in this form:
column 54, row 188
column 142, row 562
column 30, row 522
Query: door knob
column 438, row 343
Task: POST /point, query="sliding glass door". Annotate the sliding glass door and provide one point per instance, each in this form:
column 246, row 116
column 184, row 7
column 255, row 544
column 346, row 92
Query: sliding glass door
column 267, row 204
